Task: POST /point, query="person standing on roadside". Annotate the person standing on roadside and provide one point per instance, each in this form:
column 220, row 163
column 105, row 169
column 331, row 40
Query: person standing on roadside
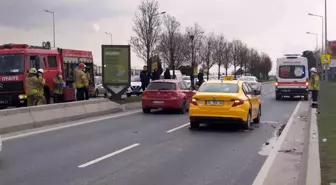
column 59, row 84
column 156, row 74
column 145, row 78
column 200, row 77
column 31, row 87
column 88, row 77
column 166, row 74
column 314, row 86
column 41, row 99
column 80, row 81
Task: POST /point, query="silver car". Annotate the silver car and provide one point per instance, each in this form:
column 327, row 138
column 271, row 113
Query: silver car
column 253, row 81
column 99, row 89
column 0, row 145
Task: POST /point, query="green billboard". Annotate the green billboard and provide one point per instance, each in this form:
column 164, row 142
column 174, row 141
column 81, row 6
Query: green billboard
column 116, row 60
column 116, row 64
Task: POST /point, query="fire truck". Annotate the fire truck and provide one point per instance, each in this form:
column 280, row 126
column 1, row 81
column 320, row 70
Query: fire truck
column 17, row 59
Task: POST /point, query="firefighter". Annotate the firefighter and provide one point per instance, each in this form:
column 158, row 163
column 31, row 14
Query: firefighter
column 31, row 89
column 80, row 81
column 59, row 84
column 41, row 82
column 314, row 86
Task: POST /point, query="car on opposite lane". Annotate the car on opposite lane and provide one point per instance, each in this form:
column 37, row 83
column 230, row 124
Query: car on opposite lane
column 167, row 94
column 253, row 81
column 0, row 145
column 225, row 101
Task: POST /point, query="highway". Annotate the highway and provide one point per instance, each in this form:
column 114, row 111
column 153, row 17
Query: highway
column 139, row 149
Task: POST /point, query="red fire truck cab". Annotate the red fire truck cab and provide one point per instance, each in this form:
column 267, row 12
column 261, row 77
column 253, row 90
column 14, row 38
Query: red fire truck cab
column 17, row 59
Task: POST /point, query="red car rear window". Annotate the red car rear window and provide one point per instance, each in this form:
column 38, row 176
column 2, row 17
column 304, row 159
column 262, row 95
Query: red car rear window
column 161, row 86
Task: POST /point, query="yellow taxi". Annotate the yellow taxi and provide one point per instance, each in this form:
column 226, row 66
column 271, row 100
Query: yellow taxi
column 225, row 101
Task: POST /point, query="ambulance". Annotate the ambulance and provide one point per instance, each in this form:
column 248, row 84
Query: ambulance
column 291, row 77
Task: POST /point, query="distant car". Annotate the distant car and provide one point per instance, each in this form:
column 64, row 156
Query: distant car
column 0, row 145
column 253, row 81
column 135, row 87
column 225, row 101
column 98, row 89
column 167, row 94
column 187, row 80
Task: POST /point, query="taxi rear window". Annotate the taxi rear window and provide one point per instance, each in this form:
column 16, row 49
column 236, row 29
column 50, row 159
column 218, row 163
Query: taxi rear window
column 219, row 87
column 292, row 71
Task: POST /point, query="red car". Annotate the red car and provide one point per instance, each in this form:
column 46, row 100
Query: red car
column 167, row 94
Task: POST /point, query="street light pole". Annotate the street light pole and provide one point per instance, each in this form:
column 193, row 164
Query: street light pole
column 316, row 37
column 53, row 14
column 326, row 36
column 322, row 40
column 192, row 37
column 110, row 34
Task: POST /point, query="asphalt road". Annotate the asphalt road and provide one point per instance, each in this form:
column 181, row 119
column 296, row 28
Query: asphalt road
column 140, row 149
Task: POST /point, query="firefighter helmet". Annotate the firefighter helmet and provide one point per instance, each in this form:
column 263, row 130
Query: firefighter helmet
column 32, row 71
column 40, row 71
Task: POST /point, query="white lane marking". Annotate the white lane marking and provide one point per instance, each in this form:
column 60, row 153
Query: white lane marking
column 262, row 175
column 179, row 127
column 68, row 126
column 108, row 155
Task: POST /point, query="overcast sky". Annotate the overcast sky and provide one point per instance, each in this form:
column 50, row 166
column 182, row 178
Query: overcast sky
column 271, row 26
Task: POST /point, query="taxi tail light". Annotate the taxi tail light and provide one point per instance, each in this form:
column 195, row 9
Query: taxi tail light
column 194, row 101
column 237, row 102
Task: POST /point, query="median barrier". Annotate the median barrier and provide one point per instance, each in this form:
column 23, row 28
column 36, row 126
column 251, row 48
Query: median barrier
column 12, row 120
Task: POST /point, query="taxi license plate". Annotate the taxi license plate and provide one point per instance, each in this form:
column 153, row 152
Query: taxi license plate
column 158, row 102
column 214, row 102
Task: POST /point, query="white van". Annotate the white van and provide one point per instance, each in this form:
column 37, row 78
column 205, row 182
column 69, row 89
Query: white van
column 292, row 77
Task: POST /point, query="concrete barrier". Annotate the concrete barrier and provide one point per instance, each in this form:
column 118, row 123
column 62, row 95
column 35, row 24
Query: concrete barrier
column 12, row 120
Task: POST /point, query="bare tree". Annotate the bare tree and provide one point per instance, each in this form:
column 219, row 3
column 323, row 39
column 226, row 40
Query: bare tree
column 265, row 65
column 218, row 53
column 195, row 34
column 227, row 56
column 254, row 63
column 243, row 52
column 206, row 51
column 236, row 47
column 147, row 27
column 170, row 41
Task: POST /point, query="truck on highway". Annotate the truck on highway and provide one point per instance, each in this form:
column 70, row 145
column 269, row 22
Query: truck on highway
column 17, row 59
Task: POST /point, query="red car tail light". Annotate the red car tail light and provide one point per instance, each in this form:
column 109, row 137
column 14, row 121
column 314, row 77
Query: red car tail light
column 237, row 102
column 194, row 101
column 172, row 94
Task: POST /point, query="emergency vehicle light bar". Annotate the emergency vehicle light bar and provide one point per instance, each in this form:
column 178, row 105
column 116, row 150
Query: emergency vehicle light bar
column 292, row 55
column 20, row 46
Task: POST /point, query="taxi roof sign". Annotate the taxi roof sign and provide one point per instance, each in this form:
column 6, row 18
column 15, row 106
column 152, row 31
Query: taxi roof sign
column 227, row 77
column 325, row 58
